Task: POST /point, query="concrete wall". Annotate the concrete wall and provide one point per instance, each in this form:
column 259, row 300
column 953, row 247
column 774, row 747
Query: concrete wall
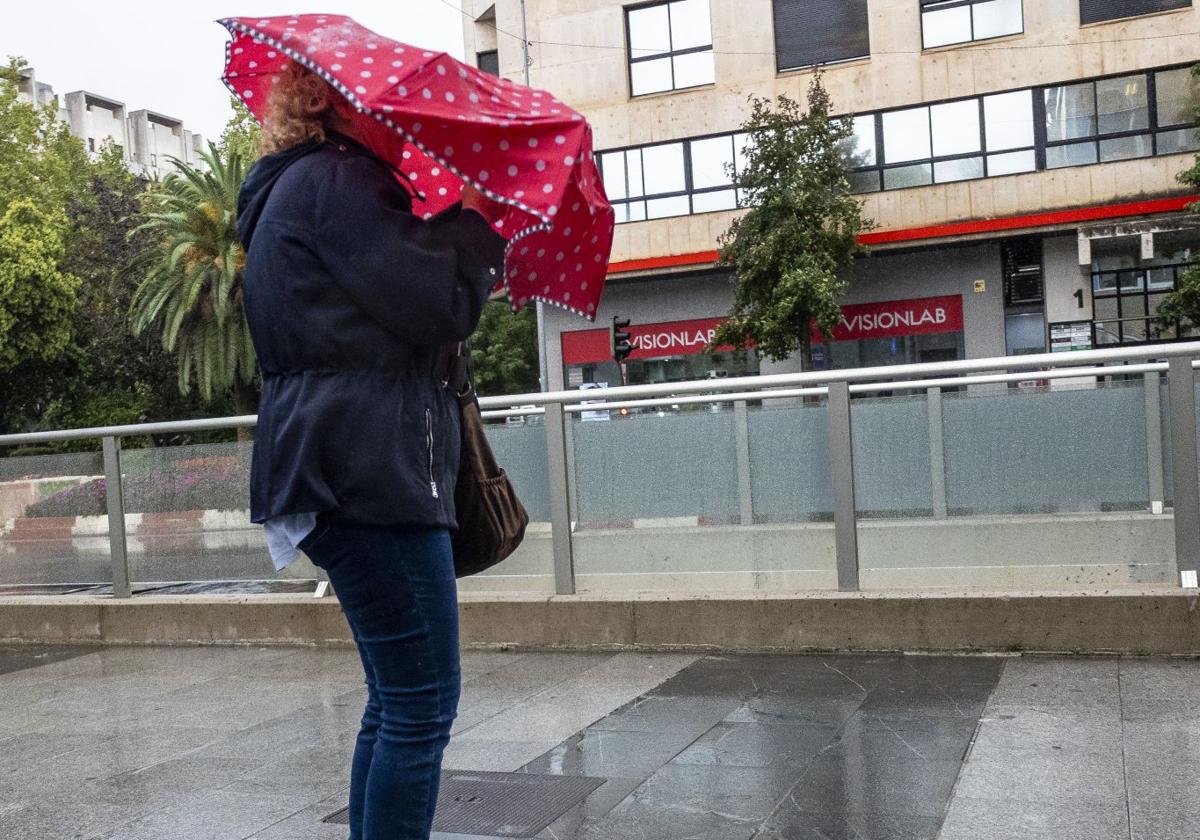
column 1053, row 48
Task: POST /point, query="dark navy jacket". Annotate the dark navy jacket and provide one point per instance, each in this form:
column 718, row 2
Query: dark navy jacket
column 352, row 301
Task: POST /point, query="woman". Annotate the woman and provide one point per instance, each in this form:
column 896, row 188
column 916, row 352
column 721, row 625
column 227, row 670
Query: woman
column 353, row 303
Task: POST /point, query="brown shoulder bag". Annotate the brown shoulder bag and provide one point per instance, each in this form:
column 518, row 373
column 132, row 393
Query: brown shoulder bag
column 491, row 519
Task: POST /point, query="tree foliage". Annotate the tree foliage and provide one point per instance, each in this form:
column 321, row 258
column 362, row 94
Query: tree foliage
column 242, row 133
column 37, row 298
column 790, row 253
column 190, row 277
column 505, row 352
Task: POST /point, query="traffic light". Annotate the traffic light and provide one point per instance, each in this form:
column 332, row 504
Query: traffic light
column 619, row 339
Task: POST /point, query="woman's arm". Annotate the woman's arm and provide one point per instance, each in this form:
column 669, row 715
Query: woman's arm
column 426, row 282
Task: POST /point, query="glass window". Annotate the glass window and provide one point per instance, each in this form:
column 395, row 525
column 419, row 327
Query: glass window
column 955, row 21
column 1179, row 140
column 861, row 149
column 1175, row 92
column 707, row 202
column 1011, row 163
column 955, row 127
column 670, row 46
column 997, row 18
column 612, row 170
column 662, row 208
column 1125, row 148
column 812, row 32
column 488, row 62
column 1094, row 11
column 1072, row 154
column 946, row 26
column 907, row 176
column 1070, row 112
column 712, row 160
column 906, row 135
column 663, row 169
column 959, row 169
column 864, row 182
column 1121, row 105
column 1025, row 333
column 1009, row 120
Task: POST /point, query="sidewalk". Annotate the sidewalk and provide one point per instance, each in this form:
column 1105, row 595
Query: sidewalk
column 237, row 743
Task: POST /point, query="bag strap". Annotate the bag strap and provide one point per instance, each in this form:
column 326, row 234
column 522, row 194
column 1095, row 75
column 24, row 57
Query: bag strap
column 462, row 374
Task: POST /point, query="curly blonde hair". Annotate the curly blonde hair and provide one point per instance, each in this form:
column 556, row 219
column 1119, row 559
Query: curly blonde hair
column 299, row 110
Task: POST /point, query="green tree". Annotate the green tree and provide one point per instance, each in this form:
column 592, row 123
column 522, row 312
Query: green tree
column 37, row 298
column 242, row 133
column 1182, row 306
column 190, row 278
column 790, row 253
column 504, row 350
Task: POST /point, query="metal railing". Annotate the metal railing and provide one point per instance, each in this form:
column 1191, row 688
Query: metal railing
column 837, row 388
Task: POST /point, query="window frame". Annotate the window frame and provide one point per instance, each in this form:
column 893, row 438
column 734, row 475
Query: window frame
column 956, row 4
column 671, row 53
column 1037, row 106
column 1101, row 21
column 479, row 65
column 780, row 69
column 1142, row 295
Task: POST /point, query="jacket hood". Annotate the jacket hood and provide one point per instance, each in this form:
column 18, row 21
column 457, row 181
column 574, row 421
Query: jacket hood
column 260, row 180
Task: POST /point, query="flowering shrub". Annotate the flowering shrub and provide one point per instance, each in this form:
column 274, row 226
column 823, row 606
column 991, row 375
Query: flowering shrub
column 197, row 484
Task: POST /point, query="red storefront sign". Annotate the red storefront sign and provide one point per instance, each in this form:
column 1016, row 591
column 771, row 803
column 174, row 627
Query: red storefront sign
column 924, row 316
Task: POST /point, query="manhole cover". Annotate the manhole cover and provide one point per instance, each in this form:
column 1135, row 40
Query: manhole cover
column 501, row 804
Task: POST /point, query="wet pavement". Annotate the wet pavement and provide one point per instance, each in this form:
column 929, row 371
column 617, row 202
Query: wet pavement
column 254, row 743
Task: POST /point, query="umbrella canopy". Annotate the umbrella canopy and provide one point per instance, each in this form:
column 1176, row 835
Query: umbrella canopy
column 445, row 123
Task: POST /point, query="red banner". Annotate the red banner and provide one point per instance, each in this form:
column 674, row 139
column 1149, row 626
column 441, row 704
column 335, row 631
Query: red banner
column 924, row 316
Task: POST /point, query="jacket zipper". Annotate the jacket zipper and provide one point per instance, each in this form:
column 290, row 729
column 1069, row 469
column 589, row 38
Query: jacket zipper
column 429, row 440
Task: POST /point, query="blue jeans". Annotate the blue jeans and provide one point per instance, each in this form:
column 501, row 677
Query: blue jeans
column 397, row 590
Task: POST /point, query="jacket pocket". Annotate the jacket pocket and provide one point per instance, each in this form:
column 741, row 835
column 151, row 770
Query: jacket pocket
column 429, row 444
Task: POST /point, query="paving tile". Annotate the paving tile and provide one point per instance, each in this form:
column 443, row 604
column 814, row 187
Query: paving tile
column 20, row 657
column 997, row 818
column 657, row 713
column 1041, row 775
column 788, row 823
column 496, row 756
column 855, row 779
column 216, row 815
column 607, row 753
column 1079, row 731
column 756, row 745
column 828, row 705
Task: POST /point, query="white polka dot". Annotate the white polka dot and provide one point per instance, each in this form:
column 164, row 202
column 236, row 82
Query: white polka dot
column 393, row 79
column 238, row 51
column 412, row 176
column 569, row 161
column 264, row 21
column 525, row 250
column 402, row 90
column 340, row 54
column 398, row 50
column 366, row 74
column 449, row 96
column 519, row 194
column 567, row 233
column 484, row 175
column 545, row 290
column 583, row 286
column 591, row 307
column 474, row 97
column 435, row 172
column 428, row 216
column 566, row 296
column 512, row 171
column 360, row 89
column 553, row 211
column 533, row 276
column 578, row 267
column 548, row 188
column 441, row 191
column 272, row 54
column 427, row 93
column 504, row 145
column 533, row 142
column 311, row 50
column 335, row 67
column 560, row 256
column 577, row 249
column 368, row 60
column 597, row 258
column 462, row 73
column 575, row 207
column 495, row 98
column 477, row 147
column 540, row 166
column 560, row 139
column 372, row 46
column 407, row 154
column 293, row 21
column 541, row 253
column 441, row 68
column 249, row 94
column 252, row 64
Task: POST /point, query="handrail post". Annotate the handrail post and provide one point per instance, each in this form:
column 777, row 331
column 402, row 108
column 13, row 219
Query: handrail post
column 1156, row 485
column 115, row 501
column 560, row 499
column 841, row 462
column 741, row 431
column 937, row 453
column 1181, row 387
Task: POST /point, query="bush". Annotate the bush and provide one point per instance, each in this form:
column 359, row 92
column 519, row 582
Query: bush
column 196, row 484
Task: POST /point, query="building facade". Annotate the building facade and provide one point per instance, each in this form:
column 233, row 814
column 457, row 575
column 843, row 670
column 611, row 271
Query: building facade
column 148, row 141
column 1019, row 160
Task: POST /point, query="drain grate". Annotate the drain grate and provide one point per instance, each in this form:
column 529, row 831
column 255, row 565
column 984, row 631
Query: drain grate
column 501, row 804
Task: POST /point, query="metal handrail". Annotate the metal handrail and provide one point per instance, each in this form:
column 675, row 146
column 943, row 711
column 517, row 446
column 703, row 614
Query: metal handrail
column 865, row 380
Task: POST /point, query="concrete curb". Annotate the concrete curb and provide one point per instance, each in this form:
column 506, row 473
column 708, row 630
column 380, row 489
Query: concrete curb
column 1138, row 621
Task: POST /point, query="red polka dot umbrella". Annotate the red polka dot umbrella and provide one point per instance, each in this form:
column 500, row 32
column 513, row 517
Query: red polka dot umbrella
column 444, row 124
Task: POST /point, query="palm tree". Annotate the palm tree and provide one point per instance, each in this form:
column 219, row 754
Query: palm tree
column 190, row 277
